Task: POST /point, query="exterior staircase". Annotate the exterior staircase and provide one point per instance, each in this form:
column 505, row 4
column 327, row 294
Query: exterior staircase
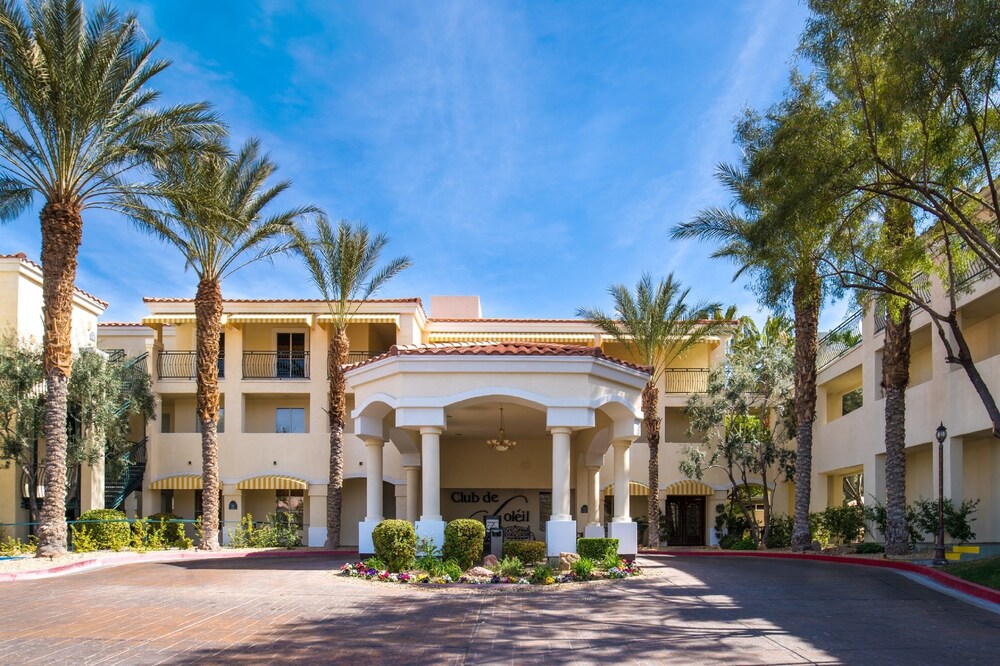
column 132, row 465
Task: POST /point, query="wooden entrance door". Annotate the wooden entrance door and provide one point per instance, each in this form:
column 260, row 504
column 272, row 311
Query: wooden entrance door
column 685, row 520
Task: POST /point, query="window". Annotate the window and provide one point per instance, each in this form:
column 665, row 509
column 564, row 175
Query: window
column 290, row 501
column 851, row 401
column 290, row 419
column 291, row 359
column 166, row 501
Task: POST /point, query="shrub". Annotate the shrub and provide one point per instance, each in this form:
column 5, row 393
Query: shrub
column 957, row 523
column 596, row 549
column 278, row 531
column 452, row 569
column 526, row 551
column 172, row 532
column 611, row 561
column 395, row 544
column 463, row 541
column 844, row 524
column 375, row 563
column 869, row 548
column 509, row 566
column 877, row 514
column 542, row 573
column 583, row 568
column 727, row 541
column 110, row 531
column 11, row 547
column 745, row 543
column 779, row 534
column 817, row 530
column 83, row 542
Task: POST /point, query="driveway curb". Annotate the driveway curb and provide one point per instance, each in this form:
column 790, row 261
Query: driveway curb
column 131, row 558
column 946, row 579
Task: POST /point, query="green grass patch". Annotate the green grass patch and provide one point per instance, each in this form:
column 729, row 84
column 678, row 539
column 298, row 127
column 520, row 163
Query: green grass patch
column 984, row 572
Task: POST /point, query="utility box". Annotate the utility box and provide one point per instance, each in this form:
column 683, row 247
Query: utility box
column 494, row 536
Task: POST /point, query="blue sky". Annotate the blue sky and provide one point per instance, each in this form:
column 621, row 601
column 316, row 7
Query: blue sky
column 529, row 152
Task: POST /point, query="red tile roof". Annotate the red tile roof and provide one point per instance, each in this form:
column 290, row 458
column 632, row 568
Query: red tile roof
column 24, row 259
column 159, row 299
column 122, row 324
column 500, row 349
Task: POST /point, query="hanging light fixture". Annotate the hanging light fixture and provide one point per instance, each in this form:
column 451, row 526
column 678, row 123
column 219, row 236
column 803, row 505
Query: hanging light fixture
column 501, row 443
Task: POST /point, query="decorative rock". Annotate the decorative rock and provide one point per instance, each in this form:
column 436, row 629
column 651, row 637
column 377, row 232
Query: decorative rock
column 480, row 572
column 566, row 561
column 490, row 561
column 817, row 546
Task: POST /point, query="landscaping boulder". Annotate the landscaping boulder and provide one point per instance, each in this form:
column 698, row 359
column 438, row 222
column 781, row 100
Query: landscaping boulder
column 480, row 572
column 566, row 561
column 490, row 561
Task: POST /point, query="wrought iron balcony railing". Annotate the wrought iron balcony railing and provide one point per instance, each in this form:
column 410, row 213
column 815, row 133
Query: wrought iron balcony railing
column 275, row 365
column 839, row 341
column 182, row 365
column 686, row 380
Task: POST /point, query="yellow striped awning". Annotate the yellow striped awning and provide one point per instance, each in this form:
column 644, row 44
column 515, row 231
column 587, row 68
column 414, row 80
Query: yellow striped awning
column 507, row 336
column 365, row 318
column 272, row 482
column 635, row 489
column 169, row 319
column 249, row 318
column 688, row 487
column 177, row 482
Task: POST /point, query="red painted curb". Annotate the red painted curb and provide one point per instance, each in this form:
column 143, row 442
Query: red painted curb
column 133, row 558
column 946, row 579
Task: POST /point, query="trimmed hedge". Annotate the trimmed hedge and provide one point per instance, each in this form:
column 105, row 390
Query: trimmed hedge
column 112, row 535
column 526, row 551
column 463, row 542
column 596, row 549
column 395, row 544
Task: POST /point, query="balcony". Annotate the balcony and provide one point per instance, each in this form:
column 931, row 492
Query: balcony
column 275, row 365
column 686, row 380
column 839, row 341
column 182, row 365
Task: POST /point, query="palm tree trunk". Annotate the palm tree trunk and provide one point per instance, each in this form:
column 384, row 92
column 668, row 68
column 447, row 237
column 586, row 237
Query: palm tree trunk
column 208, row 314
column 806, row 298
column 339, row 346
column 62, row 232
column 650, row 410
column 895, row 377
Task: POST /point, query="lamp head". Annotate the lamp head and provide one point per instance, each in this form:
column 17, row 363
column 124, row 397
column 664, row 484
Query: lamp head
column 941, row 433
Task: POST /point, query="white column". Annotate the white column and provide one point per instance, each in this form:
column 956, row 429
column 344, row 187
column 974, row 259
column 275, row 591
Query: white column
column 431, row 525
column 594, row 527
column 316, row 515
column 430, row 456
column 373, row 448
column 560, row 474
column 622, row 527
column 412, row 492
column 954, row 464
column 621, row 447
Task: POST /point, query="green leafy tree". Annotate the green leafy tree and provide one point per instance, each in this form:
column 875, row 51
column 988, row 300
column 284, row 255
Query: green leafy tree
column 780, row 223
column 217, row 210
column 78, row 116
column 743, row 416
column 657, row 325
column 344, row 264
column 102, row 397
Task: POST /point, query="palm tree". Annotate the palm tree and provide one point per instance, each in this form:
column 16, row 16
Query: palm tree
column 344, row 265
column 215, row 209
column 783, row 186
column 656, row 326
column 78, row 118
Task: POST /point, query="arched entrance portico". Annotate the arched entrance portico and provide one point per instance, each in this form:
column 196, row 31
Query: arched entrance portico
column 568, row 404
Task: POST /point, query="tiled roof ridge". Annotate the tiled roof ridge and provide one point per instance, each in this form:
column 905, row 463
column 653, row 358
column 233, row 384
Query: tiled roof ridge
column 172, row 299
column 578, row 320
column 24, row 258
column 500, row 348
column 122, row 324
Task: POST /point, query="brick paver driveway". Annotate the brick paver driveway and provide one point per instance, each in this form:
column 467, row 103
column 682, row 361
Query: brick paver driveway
column 685, row 610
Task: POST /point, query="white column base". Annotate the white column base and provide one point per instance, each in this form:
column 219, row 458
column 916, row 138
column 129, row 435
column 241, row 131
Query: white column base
column 315, row 537
column 593, row 531
column 627, row 535
column 431, row 529
column 366, row 546
column 560, row 537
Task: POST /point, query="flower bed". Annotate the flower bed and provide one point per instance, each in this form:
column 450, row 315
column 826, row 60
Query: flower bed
column 365, row 572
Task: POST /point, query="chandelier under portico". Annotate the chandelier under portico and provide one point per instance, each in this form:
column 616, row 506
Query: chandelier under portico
column 500, row 443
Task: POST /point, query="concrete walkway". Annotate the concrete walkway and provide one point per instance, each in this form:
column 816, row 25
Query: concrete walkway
column 685, row 610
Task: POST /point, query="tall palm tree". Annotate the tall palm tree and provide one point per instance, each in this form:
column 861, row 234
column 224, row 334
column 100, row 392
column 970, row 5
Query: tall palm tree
column 656, row 325
column 780, row 225
column 215, row 208
column 78, row 116
column 343, row 262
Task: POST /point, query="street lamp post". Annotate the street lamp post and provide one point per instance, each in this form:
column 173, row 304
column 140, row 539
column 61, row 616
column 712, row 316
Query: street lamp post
column 941, row 434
